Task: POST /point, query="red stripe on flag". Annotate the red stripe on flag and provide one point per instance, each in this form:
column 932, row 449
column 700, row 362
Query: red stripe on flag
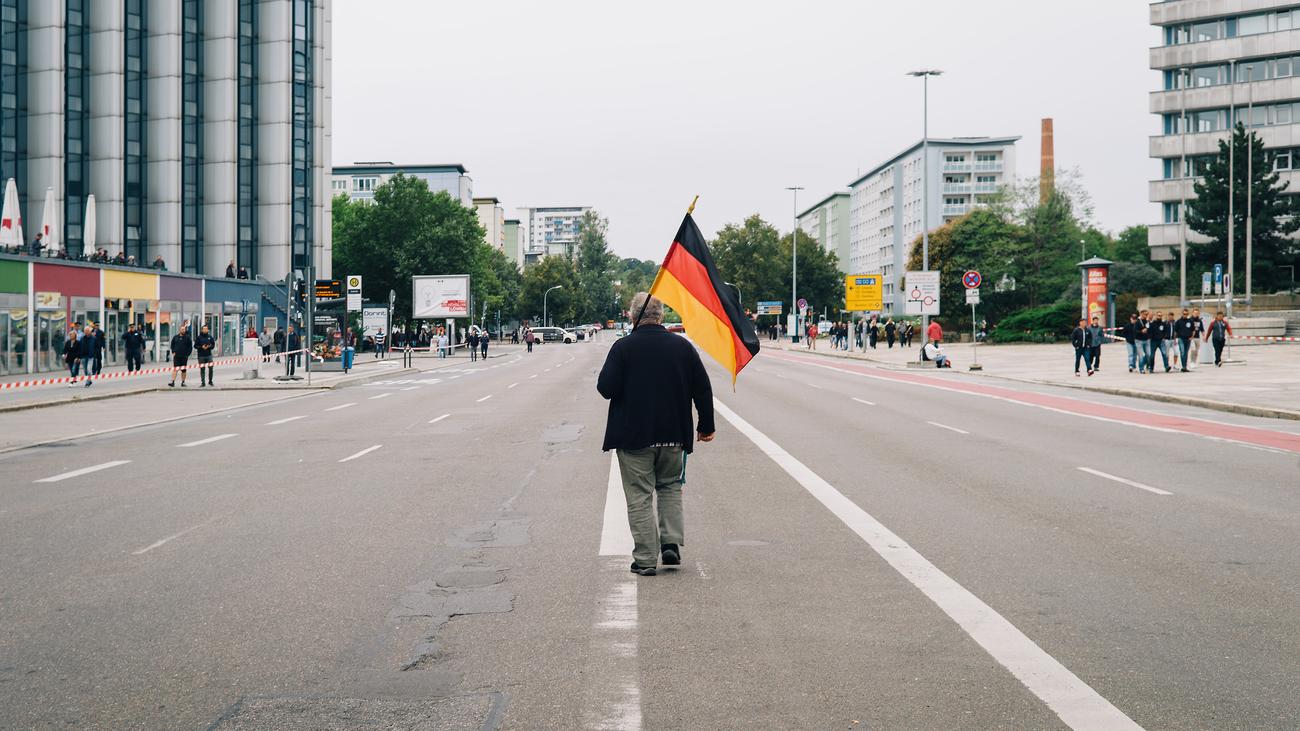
column 692, row 275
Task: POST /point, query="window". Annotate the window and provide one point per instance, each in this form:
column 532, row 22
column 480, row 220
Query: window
column 76, row 90
column 954, row 201
column 986, row 179
column 986, row 157
column 1171, row 212
column 1211, row 31
column 1249, row 25
column 1282, row 160
column 247, row 151
column 954, row 158
column 192, row 126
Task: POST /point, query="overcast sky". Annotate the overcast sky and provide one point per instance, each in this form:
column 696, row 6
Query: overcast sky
column 633, row 108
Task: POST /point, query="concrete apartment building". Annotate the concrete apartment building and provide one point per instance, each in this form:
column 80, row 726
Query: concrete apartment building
column 551, row 231
column 827, row 222
column 514, row 242
column 1219, row 61
column 358, row 181
column 201, row 128
column 886, row 208
column 492, row 217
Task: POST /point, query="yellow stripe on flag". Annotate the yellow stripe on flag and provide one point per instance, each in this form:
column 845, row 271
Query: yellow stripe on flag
column 712, row 335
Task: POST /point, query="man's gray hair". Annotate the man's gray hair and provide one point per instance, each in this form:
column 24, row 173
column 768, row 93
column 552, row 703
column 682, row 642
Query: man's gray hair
column 654, row 310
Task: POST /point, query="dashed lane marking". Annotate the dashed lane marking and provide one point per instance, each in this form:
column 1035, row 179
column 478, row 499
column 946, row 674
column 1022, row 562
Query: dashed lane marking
column 1124, row 481
column 85, row 471
column 864, row 401
column 438, row 419
column 209, row 440
column 362, row 453
column 384, row 395
column 512, row 385
column 285, row 420
column 1074, row 701
column 341, row 406
column 949, row 428
column 485, row 398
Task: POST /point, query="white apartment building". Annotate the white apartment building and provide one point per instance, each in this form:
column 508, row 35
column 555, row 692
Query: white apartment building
column 1221, row 62
column 551, row 231
column 202, row 129
column 827, row 222
column 492, row 217
column 359, row 180
column 886, row 209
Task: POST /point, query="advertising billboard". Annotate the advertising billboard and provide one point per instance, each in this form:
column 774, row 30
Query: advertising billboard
column 440, row 296
column 1098, row 293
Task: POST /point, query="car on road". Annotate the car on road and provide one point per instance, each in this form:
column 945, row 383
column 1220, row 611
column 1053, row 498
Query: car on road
column 553, row 335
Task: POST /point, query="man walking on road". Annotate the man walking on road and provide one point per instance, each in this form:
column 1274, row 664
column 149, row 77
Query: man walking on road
column 1146, row 358
column 1129, row 333
column 264, row 341
column 1184, row 330
column 1098, row 336
column 1081, row 339
column 1217, row 334
column 101, row 343
column 292, row 342
column 182, row 346
column 1159, row 337
column 529, row 338
column 483, row 339
column 204, row 344
column 651, row 378
column 133, row 342
column 1198, row 332
column 379, row 343
column 473, row 345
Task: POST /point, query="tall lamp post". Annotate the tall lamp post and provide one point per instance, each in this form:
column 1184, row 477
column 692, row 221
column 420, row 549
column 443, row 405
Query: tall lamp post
column 794, row 259
column 925, row 75
column 1184, row 77
column 545, row 319
column 1232, row 180
column 1250, row 174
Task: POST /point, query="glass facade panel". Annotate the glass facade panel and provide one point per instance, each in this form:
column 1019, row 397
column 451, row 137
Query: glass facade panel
column 192, row 136
column 246, row 185
column 304, row 130
column 76, row 161
column 134, row 123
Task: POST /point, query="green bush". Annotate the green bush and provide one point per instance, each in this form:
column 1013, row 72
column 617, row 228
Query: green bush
column 1038, row 324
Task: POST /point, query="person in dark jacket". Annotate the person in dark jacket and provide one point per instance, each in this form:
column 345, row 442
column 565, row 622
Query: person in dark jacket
column 278, row 339
column 1128, row 331
column 203, row 345
column 1217, row 335
column 100, row 344
column 473, row 344
column 72, row 353
column 1146, row 358
column 1098, row 337
column 890, row 329
column 1081, row 339
column 133, row 342
column 1159, row 342
column 293, row 342
column 1185, row 331
column 651, row 378
column 182, row 347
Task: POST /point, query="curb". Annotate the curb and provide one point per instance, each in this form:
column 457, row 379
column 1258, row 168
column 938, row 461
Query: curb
column 1224, row 406
column 6, row 408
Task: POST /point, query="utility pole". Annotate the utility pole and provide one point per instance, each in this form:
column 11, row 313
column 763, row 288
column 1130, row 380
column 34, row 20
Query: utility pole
column 925, row 75
column 1184, row 76
column 794, row 259
column 1250, row 177
column 1232, row 179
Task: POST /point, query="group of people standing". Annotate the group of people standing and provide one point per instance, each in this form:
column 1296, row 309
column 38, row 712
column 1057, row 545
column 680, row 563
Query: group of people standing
column 83, row 352
column 1176, row 339
column 865, row 333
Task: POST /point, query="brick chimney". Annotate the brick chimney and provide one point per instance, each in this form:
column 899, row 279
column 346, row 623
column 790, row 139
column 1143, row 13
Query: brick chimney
column 1047, row 170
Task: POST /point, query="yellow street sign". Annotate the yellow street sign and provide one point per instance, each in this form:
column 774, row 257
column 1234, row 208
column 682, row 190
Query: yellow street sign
column 863, row 293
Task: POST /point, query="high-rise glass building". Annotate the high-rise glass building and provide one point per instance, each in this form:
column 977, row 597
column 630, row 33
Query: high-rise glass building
column 1220, row 61
column 202, row 127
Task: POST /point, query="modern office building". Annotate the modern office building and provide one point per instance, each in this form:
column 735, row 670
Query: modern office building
column 492, row 217
column 201, row 127
column 827, row 222
column 551, row 231
column 514, row 241
column 886, row 209
column 1219, row 61
column 359, row 180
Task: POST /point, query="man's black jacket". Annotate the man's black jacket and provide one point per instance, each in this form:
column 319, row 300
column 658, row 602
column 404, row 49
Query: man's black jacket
column 650, row 378
column 182, row 344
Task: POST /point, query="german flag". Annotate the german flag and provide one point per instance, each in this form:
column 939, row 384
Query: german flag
column 689, row 282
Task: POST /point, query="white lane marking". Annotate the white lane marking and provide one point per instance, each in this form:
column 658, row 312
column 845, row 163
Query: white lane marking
column 949, row 428
column 1121, row 480
column 485, row 398
column 411, row 388
column 512, row 385
column 1076, row 703
column 340, row 406
column 864, row 401
column 84, row 471
column 548, row 370
column 209, row 440
column 615, row 533
column 382, row 395
column 172, row 537
column 813, row 385
column 285, row 420
column 440, row 418
column 614, row 698
column 362, row 453
column 533, row 376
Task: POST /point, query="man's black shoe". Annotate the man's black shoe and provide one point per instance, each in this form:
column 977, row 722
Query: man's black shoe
column 643, row 570
column 671, row 555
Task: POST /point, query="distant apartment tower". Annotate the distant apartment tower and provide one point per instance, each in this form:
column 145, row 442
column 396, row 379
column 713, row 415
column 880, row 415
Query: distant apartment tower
column 202, row 127
column 492, row 217
column 551, row 231
column 886, row 208
column 514, row 242
column 1217, row 58
column 827, row 222
column 359, row 180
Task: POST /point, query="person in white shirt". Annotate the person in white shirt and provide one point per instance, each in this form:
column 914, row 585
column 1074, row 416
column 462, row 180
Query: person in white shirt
column 933, row 352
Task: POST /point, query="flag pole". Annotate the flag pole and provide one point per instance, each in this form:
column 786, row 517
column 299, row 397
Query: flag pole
column 637, row 321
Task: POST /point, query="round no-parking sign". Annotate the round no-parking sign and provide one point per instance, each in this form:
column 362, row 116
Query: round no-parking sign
column 971, row 279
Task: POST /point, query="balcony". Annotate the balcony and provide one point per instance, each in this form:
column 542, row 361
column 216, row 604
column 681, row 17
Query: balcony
column 986, row 187
column 956, row 167
column 988, row 166
column 1224, row 95
column 1175, row 11
column 1280, row 43
column 1205, row 143
column 959, row 210
column 958, row 188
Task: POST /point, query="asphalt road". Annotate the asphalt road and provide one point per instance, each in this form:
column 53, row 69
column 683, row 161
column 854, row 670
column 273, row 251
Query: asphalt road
column 866, row 548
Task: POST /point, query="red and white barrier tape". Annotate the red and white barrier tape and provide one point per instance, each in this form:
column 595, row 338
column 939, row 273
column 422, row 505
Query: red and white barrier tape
column 142, row 372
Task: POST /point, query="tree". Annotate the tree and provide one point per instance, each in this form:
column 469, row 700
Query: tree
column 1275, row 215
column 981, row 240
column 1131, row 246
column 750, row 256
column 631, row 276
column 595, row 270
column 406, row 231
column 495, row 284
column 821, row 281
column 562, row 304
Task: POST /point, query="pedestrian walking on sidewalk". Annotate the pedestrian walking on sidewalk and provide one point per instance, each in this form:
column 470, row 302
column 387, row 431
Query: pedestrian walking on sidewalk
column 1129, row 333
column 473, row 344
column 1146, row 357
column 1171, row 338
column 292, row 344
column 651, row 378
column 380, row 344
column 278, row 337
column 443, row 345
column 1217, row 335
column 1081, row 339
column 909, row 331
column 101, row 344
column 182, row 346
column 873, row 333
column 1198, row 332
column 529, row 338
column 203, row 345
column 483, row 338
column 934, row 332
column 1160, row 335
column 1098, row 337
column 72, row 353
column 812, row 336
column 265, row 341
column 349, row 349
column 890, row 330
column 87, row 350
column 133, row 343
column 1184, row 330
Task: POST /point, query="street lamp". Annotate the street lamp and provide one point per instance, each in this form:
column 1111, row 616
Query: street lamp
column 925, row 75
column 545, row 320
column 794, row 259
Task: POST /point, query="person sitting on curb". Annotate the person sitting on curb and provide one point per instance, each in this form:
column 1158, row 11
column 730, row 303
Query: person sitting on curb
column 934, row 353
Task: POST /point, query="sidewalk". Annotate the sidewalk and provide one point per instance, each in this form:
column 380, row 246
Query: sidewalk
column 1262, row 380
column 229, row 378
